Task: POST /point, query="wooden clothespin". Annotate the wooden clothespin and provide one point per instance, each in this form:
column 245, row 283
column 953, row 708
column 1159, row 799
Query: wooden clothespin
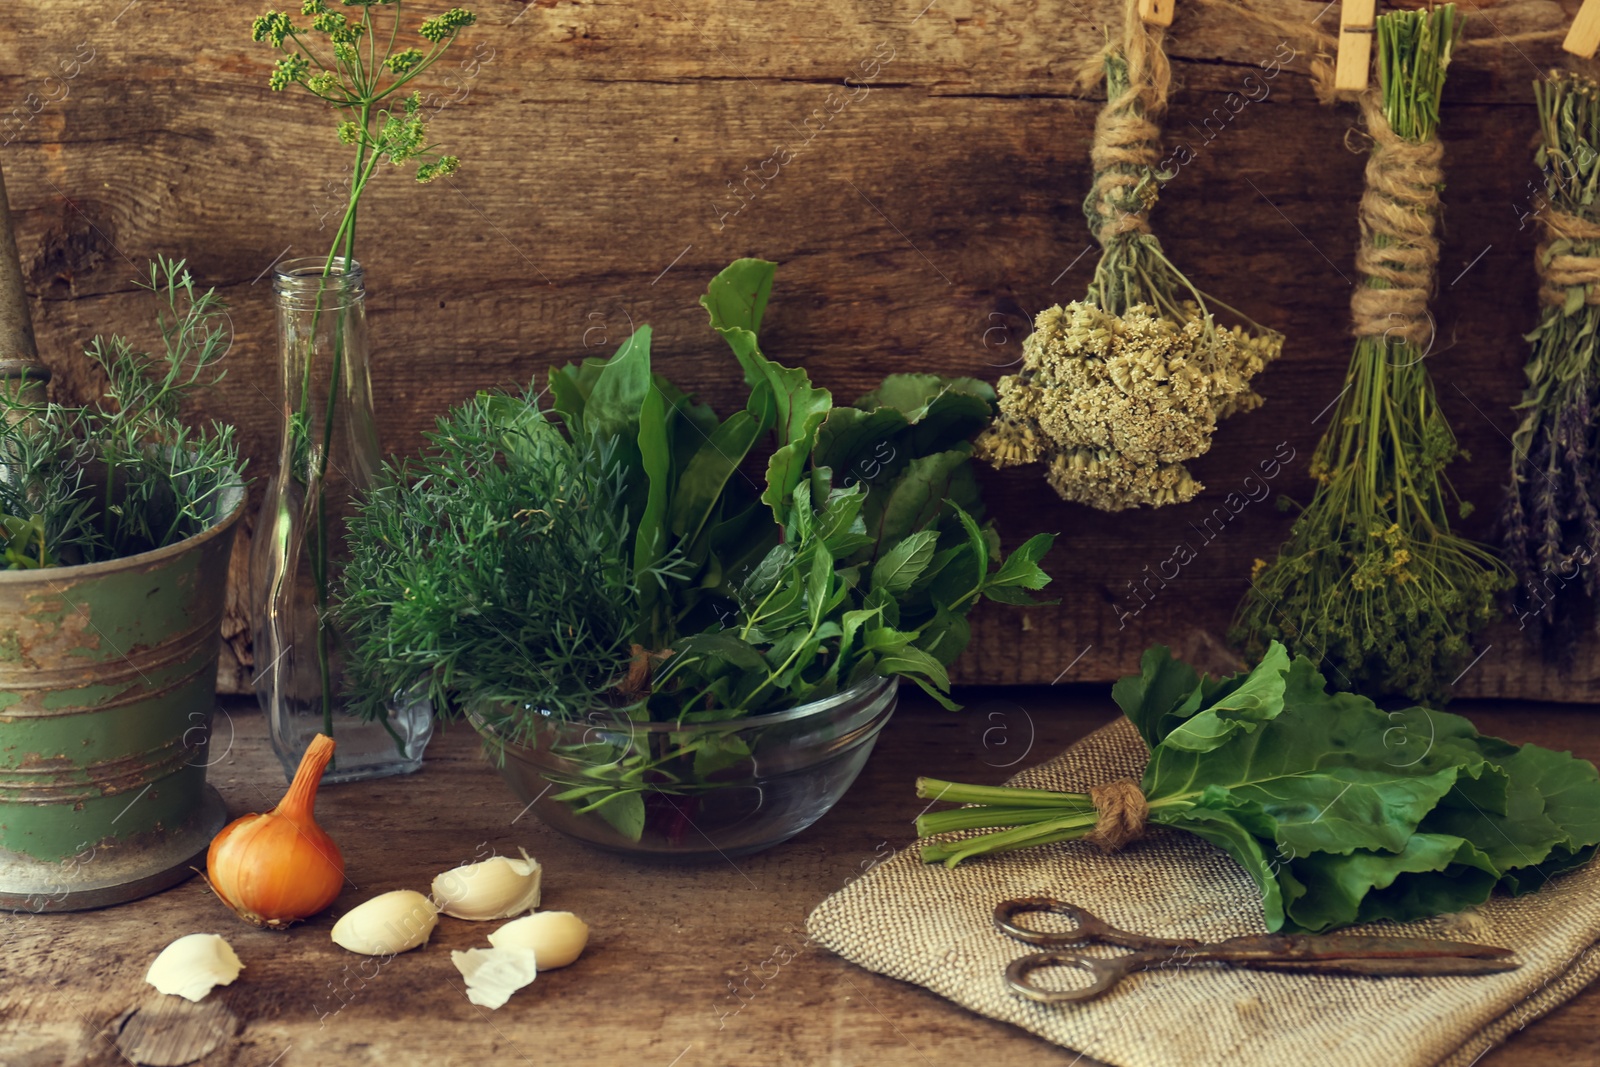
column 1356, row 30
column 1584, row 36
column 1159, row 12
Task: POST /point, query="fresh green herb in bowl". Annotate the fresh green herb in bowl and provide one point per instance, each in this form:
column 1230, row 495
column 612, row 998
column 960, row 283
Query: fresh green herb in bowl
column 618, row 559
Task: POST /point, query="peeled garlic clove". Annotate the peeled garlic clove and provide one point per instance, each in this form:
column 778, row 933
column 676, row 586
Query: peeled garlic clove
column 192, row 965
column 493, row 974
column 389, row 923
column 556, row 937
column 497, row 888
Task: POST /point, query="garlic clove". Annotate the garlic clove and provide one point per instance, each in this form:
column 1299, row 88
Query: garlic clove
column 192, row 965
column 556, row 937
column 389, row 923
column 497, row 888
column 493, row 974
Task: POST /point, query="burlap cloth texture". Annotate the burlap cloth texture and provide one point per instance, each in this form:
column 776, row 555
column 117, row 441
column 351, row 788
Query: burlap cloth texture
column 931, row 925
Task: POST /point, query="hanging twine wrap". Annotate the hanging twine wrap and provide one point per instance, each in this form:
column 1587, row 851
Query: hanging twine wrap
column 932, row 925
column 1398, row 246
column 1122, row 810
column 1579, row 266
column 1127, row 139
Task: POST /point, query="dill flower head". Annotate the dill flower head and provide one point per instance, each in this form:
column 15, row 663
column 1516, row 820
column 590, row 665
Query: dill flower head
column 287, row 71
column 438, row 28
column 272, row 27
column 401, row 62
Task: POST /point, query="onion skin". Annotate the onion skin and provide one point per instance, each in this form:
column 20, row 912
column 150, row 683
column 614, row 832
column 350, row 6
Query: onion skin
column 276, row 869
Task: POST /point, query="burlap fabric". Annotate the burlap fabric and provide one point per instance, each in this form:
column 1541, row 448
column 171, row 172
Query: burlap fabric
column 931, row 925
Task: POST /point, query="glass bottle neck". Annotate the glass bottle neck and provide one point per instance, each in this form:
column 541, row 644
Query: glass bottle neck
column 312, row 283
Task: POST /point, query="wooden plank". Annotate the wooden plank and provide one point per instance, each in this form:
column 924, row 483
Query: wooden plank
column 1356, row 29
column 666, row 975
column 920, row 229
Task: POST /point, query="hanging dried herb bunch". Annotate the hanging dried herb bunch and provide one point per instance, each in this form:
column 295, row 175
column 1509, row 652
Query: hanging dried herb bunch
column 1118, row 389
column 1371, row 577
column 1551, row 520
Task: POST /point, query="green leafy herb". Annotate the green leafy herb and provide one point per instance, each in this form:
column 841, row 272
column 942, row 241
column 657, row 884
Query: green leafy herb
column 1340, row 812
column 618, row 554
column 123, row 476
column 494, row 571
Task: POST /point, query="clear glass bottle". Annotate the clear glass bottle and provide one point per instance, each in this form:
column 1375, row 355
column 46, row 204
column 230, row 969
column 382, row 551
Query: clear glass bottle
column 327, row 455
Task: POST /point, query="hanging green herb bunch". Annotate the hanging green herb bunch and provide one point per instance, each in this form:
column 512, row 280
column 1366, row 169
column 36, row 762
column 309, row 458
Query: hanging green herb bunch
column 620, row 552
column 1119, row 389
column 1372, row 578
column 1551, row 519
column 124, row 475
column 1244, row 762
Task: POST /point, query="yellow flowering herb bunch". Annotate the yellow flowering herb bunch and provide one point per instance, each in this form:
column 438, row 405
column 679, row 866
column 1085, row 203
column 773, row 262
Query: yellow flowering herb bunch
column 1372, row 582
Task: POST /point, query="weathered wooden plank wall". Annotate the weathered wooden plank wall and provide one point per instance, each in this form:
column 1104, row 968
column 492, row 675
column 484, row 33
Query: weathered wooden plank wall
column 617, row 154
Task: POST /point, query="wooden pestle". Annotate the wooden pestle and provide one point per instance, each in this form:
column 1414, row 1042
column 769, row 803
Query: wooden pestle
column 22, row 376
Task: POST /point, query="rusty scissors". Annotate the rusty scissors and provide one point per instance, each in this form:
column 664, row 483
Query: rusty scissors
column 1376, row 957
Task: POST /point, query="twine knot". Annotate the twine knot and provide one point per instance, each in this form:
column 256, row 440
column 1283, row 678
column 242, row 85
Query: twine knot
column 1577, row 266
column 1398, row 246
column 1127, row 140
column 1121, row 810
column 641, row 666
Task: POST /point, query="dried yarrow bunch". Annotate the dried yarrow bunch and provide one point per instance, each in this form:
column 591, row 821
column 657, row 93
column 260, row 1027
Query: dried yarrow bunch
column 1372, row 582
column 1551, row 519
column 1118, row 389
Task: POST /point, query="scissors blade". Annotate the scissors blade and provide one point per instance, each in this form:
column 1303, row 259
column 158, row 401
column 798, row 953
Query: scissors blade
column 1418, row 966
column 1349, row 946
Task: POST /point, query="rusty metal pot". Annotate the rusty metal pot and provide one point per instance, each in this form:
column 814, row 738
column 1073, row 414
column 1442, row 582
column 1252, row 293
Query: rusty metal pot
column 107, row 692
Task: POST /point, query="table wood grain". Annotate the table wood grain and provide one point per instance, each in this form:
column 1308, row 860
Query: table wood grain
column 670, row 942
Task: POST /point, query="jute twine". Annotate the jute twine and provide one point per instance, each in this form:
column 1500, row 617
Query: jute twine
column 1127, row 140
column 1121, row 811
column 1560, row 273
column 1398, row 246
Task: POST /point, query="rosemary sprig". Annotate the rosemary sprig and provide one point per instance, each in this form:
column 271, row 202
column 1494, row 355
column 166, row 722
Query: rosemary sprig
column 1372, row 579
column 125, row 475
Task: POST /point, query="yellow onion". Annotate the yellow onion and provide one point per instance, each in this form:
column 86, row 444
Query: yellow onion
column 276, row 869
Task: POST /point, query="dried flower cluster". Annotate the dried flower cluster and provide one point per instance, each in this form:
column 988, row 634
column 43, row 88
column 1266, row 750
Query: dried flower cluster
column 1116, row 403
column 1119, row 389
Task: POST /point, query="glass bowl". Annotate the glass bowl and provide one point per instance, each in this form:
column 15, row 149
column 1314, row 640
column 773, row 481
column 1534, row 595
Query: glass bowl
column 694, row 790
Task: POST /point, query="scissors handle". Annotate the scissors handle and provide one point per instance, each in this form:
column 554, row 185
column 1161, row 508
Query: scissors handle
column 1086, row 929
column 1104, row 972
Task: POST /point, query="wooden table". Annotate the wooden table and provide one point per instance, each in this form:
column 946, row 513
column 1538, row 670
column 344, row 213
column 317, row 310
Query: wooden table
column 653, row 988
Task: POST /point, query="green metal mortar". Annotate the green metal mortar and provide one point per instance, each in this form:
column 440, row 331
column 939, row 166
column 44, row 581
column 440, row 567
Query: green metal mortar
column 107, row 692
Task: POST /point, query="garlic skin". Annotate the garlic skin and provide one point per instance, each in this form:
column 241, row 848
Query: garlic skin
column 388, row 924
column 556, row 937
column 193, row 965
column 493, row 974
column 497, row 888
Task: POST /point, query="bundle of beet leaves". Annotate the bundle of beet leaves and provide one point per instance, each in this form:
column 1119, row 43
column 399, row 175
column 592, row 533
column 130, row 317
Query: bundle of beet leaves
column 1341, row 812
